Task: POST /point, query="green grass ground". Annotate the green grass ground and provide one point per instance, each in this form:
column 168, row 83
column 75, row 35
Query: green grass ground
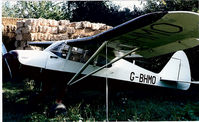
column 125, row 106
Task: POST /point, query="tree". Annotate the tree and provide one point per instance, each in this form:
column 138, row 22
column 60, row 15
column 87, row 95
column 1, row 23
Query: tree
column 7, row 10
column 94, row 11
column 99, row 11
column 174, row 5
column 33, row 9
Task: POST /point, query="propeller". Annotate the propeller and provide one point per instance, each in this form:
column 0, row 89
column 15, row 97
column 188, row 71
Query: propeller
column 4, row 52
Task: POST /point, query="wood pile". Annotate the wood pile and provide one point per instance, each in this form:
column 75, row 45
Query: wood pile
column 9, row 26
column 9, row 20
column 18, row 31
column 9, row 30
column 52, row 30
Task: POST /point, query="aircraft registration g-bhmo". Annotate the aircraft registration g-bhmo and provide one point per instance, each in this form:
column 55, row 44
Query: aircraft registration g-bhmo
column 146, row 36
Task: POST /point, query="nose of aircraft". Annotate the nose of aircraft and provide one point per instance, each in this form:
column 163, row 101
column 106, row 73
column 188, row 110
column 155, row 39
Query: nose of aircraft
column 11, row 60
column 11, row 55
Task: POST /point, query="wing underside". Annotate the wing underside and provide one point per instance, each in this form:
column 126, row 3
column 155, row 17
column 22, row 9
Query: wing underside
column 154, row 34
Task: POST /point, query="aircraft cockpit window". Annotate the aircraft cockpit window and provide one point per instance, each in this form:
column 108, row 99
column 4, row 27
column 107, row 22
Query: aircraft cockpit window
column 79, row 55
column 60, row 50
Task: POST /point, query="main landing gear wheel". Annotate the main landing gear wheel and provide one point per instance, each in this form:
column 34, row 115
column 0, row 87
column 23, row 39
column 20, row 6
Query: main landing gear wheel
column 57, row 109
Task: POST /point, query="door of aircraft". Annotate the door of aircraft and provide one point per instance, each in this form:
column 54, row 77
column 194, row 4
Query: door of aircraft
column 57, row 57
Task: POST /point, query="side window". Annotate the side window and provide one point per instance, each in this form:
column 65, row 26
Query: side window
column 78, row 54
column 60, row 50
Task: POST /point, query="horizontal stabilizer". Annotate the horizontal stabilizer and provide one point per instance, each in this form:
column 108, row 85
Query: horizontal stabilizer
column 192, row 82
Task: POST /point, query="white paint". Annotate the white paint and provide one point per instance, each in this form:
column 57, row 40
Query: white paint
column 177, row 69
column 33, row 57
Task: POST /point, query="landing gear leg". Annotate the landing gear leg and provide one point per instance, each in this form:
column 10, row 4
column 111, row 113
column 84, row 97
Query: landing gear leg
column 59, row 107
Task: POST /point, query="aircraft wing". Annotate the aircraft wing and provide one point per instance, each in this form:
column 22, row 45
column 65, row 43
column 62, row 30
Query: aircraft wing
column 40, row 44
column 154, row 34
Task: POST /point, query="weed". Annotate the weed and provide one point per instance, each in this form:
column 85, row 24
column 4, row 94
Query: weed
column 15, row 102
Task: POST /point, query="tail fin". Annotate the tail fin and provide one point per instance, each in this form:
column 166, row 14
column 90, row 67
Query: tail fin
column 177, row 69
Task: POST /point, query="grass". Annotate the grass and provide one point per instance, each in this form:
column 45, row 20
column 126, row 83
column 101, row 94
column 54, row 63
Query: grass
column 128, row 107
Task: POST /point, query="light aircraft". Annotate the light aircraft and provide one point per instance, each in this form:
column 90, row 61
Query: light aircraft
column 103, row 55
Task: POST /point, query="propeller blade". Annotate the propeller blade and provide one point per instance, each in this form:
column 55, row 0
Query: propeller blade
column 4, row 52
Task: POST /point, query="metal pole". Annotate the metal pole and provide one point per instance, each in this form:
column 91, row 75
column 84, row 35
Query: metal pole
column 107, row 99
column 69, row 52
column 106, row 88
column 87, row 63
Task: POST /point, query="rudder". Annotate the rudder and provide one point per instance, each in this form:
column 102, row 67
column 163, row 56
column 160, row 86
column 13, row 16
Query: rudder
column 177, row 69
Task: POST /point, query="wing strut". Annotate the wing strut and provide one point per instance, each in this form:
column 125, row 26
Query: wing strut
column 87, row 63
column 100, row 68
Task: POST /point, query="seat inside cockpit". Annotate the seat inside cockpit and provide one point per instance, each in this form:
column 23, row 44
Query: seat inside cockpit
column 77, row 54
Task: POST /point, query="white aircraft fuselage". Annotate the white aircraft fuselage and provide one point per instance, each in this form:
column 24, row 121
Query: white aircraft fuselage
column 122, row 70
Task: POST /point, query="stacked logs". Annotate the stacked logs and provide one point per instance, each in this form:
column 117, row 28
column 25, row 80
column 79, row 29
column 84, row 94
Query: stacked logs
column 52, row 30
column 17, row 31
column 9, row 30
column 39, row 30
column 9, row 27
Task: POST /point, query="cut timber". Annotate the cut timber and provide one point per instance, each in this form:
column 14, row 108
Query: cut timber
column 64, row 22
column 62, row 29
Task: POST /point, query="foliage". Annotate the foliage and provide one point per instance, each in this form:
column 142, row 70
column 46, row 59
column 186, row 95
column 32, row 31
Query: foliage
column 34, row 9
column 75, row 112
column 6, row 10
column 73, row 10
column 160, row 105
column 105, row 12
column 174, row 5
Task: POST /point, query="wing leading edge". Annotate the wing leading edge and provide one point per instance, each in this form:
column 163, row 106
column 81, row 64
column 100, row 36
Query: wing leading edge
column 154, row 34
